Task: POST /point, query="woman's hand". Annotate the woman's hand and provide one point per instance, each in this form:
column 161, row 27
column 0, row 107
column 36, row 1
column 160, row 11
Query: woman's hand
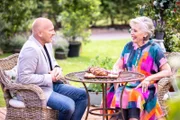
column 116, row 70
column 144, row 84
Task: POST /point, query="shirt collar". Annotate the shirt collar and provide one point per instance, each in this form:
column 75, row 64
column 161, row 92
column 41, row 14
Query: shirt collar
column 143, row 46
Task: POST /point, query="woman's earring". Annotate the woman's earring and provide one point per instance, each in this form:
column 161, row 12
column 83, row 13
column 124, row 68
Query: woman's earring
column 144, row 38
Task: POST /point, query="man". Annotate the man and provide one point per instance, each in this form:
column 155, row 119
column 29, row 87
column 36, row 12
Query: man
column 36, row 65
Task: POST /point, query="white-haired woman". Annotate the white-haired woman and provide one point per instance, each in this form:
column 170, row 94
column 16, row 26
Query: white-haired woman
column 144, row 56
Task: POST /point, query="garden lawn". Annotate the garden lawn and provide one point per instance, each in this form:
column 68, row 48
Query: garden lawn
column 101, row 48
column 109, row 48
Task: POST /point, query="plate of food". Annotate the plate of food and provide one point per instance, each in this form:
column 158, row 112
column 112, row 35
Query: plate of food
column 97, row 72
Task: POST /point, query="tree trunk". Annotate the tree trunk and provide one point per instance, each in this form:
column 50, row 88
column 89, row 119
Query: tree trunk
column 112, row 20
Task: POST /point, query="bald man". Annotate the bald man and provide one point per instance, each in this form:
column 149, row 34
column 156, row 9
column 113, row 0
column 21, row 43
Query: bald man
column 36, row 65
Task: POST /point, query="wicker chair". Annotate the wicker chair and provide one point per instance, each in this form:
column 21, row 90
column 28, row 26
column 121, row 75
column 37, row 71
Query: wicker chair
column 32, row 96
column 165, row 83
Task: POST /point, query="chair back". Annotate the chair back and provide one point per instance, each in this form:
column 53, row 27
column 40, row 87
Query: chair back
column 174, row 62
column 7, row 64
column 167, row 83
column 33, row 96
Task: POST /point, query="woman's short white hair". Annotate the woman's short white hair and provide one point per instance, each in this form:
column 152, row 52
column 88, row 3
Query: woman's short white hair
column 146, row 24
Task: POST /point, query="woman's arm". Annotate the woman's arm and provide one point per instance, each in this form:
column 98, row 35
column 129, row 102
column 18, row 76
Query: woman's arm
column 118, row 66
column 165, row 71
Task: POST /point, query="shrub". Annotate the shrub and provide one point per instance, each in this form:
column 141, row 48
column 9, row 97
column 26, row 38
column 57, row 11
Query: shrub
column 165, row 14
column 77, row 16
column 18, row 41
column 60, row 43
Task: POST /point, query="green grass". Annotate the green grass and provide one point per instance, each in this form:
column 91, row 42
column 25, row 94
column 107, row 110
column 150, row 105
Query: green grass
column 5, row 55
column 110, row 48
column 2, row 101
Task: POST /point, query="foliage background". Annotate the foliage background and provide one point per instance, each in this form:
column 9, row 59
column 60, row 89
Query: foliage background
column 16, row 15
column 166, row 18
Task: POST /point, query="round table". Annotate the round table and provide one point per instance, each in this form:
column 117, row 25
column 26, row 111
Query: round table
column 124, row 77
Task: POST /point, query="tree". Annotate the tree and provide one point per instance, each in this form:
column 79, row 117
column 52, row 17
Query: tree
column 50, row 9
column 14, row 17
column 16, row 13
column 167, row 12
column 118, row 9
column 77, row 16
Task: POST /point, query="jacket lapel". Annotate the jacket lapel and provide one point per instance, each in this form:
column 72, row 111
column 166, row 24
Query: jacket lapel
column 42, row 50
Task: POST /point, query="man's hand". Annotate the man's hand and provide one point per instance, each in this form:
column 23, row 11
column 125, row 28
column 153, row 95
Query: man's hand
column 52, row 75
column 56, row 74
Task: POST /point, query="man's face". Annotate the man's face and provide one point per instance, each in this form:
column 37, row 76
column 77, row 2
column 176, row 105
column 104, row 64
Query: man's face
column 47, row 33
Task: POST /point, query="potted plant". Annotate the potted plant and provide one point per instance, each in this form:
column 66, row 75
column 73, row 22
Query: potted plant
column 76, row 18
column 61, row 47
column 163, row 11
column 165, row 14
column 95, row 90
column 159, row 29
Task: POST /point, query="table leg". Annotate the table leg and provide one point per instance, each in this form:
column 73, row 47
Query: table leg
column 104, row 103
column 105, row 111
column 87, row 112
column 121, row 100
column 105, row 93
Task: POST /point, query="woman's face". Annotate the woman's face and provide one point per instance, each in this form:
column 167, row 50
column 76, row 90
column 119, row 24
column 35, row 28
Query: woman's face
column 137, row 34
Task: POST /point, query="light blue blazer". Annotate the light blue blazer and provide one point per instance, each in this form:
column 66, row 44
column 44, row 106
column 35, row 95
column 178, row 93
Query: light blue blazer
column 33, row 65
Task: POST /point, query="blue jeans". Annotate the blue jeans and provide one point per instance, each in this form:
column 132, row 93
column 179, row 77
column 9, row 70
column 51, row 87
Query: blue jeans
column 70, row 101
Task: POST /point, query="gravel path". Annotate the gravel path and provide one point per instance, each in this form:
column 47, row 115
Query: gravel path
column 109, row 34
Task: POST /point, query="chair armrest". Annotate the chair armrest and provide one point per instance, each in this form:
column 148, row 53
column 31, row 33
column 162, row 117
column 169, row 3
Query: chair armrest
column 31, row 95
column 163, row 87
column 164, row 82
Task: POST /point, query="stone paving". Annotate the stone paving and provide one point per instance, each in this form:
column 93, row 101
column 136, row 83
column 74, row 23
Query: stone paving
column 109, row 34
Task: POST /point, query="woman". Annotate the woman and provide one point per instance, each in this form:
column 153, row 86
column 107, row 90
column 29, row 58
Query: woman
column 144, row 56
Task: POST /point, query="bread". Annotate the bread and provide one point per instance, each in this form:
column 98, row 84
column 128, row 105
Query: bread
column 97, row 71
column 89, row 75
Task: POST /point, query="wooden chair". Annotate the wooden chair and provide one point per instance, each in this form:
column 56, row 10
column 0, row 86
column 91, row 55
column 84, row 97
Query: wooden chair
column 32, row 96
column 168, row 82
